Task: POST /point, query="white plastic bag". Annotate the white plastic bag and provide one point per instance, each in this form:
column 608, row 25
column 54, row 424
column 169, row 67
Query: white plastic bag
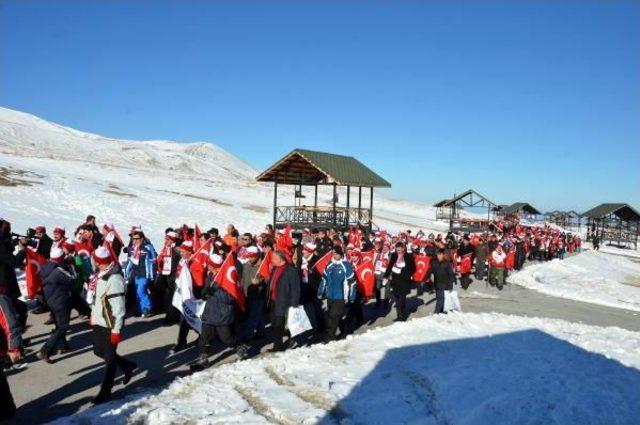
column 297, row 321
column 451, row 301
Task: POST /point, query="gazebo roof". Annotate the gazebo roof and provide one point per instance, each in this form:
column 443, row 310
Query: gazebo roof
column 311, row 167
column 621, row 210
column 520, row 206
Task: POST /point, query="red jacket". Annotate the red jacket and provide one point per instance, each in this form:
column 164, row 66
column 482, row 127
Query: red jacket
column 10, row 328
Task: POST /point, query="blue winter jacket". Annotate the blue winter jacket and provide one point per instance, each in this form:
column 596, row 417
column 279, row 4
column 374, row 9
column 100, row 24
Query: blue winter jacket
column 146, row 267
column 338, row 282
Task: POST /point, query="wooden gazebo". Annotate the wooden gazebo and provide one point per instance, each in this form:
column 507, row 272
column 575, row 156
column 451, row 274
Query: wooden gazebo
column 301, row 168
column 615, row 223
column 565, row 219
column 470, row 201
column 519, row 210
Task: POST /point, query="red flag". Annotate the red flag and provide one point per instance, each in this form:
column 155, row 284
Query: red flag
column 369, row 255
column 198, row 265
column 422, row 267
column 366, row 278
column 510, row 261
column 196, row 239
column 265, row 267
column 321, row 264
column 32, row 269
column 465, row 263
column 284, row 240
column 228, row 279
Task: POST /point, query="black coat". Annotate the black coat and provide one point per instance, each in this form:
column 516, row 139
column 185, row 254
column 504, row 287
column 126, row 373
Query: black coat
column 287, row 291
column 220, row 307
column 401, row 282
column 57, row 282
column 8, row 281
column 443, row 274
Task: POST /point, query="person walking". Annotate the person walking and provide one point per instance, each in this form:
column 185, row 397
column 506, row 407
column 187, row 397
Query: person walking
column 107, row 319
column 141, row 270
column 284, row 292
column 399, row 274
column 443, row 276
column 338, row 286
column 57, row 281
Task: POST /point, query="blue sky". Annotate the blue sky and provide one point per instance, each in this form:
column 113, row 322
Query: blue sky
column 522, row 100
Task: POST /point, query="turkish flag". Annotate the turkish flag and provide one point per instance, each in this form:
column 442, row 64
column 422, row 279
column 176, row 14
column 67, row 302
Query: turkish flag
column 366, row 278
column 369, row 255
column 422, row 268
column 265, row 267
column 321, row 264
column 465, row 264
column 32, row 269
column 229, row 280
column 196, row 239
column 510, row 261
column 284, row 240
column 198, row 266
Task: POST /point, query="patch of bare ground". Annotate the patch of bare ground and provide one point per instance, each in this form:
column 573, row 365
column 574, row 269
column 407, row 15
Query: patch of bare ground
column 15, row 177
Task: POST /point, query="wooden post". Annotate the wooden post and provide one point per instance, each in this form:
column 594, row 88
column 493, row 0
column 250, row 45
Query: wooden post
column 359, row 203
column 315, row 205
column 335, row 195
column 275, row 201
column 346, row 219
column 371, row 209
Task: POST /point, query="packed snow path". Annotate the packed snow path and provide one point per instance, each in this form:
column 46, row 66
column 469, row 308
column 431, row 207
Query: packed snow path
column 45, row 392
column 455, row 369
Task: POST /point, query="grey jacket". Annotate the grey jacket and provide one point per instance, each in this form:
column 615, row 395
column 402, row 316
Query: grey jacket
column 109, row 296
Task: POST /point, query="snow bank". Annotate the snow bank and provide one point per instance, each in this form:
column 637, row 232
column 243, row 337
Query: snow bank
column 460, row 368
column 592, row 277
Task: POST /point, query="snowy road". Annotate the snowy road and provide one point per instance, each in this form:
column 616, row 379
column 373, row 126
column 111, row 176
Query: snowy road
column 44, row 391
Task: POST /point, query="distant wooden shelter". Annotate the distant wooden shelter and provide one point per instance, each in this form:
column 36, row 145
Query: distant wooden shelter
column 301, row 168
column 518, row 211
column 615, row 223
column 565, row 219
column 470, row 200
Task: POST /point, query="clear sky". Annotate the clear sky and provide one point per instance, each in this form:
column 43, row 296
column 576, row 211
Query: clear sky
column 523, row 100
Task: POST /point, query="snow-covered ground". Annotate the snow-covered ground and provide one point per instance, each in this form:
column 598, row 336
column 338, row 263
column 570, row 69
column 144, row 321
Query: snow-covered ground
column 55, row 175
column 459, row 368
column 593, row 277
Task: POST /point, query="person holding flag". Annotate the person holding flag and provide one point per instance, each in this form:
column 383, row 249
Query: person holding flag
column 338, row 286
column 255, row 289
column 165, row 283
column 284, row 292
column 465, row 255
column 219, row 314
column 183, row 291
column 400, row 274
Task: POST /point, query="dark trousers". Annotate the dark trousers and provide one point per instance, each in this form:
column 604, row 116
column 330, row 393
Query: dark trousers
column 210, row 332
column 58, row 337
column 439, row 301
column 183, row 331
column 7, row 405
column 355, row 315
column 335, row 311
column 278, row 331
column 400, row 301
column 103, row 348
column 465, row 280
column 256, row 319
column 480, row 269
column 79, row 304
column 21, row 311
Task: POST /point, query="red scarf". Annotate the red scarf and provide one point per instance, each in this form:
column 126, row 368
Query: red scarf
column 274, row 281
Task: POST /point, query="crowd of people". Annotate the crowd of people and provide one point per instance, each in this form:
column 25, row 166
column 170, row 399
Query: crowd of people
column 232, row 287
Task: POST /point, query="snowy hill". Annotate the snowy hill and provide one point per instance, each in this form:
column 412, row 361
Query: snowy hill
column 55, row 175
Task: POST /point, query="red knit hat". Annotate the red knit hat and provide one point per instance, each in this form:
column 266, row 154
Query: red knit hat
column 102, row 256
column 172, row 236
column 186, row 246
column 59, row 230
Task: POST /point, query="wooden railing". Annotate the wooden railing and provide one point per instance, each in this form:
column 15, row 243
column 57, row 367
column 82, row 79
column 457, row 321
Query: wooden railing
column 321, row 216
